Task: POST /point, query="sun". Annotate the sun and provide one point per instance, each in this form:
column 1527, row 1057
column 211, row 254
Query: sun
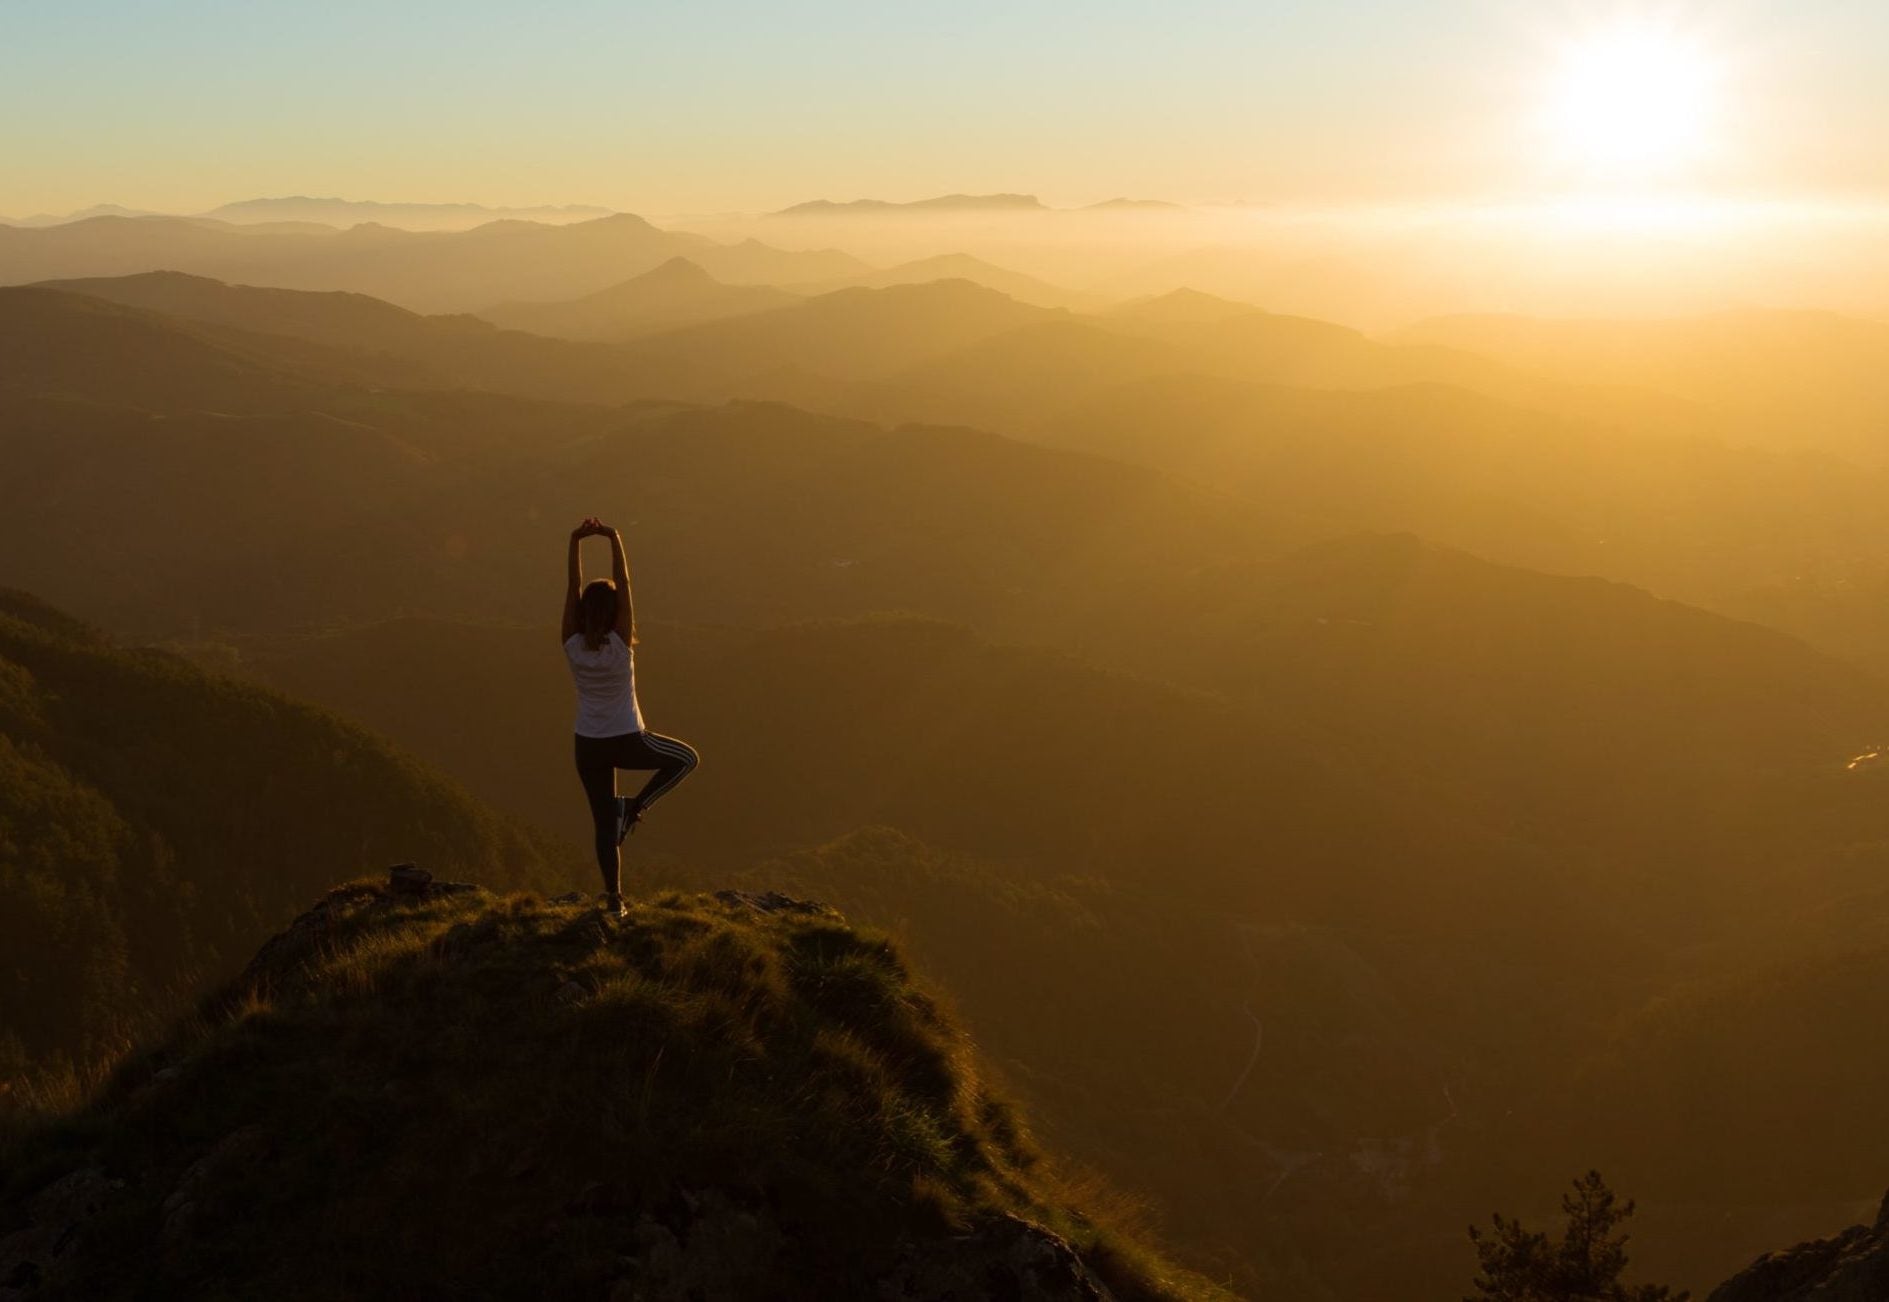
column 1631, row 100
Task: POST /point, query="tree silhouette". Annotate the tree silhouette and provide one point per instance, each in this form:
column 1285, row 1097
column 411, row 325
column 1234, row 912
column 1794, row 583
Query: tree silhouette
column 1522, row 1265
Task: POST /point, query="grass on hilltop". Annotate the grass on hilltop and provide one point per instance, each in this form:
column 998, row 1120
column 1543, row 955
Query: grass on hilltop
column 477, row 1096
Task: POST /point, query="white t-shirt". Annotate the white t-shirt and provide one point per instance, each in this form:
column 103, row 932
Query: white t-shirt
column 606, row 686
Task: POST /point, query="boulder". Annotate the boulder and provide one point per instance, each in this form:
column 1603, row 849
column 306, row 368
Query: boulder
column 408, row 879
column 771, row 902
column 57, row 1218
column 1008, row 1257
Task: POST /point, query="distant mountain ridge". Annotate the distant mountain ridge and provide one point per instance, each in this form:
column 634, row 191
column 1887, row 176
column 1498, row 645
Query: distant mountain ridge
column 964, row 203
column 962, row 266
column 408, row 216
column 1135, row 205
column 60, row 219
column 942, row 203
column 338, row 213
column 427, row 271
column 678, row 293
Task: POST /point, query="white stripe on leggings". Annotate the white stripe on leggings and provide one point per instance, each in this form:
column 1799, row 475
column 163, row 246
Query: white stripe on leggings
column 676, row 750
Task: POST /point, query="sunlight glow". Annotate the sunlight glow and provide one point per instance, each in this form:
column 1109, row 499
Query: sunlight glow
column 1632, row 100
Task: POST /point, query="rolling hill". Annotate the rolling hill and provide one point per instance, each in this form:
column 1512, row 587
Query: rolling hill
column 962, row 266
column 678, row 293
column 290, row 474
column 425, row 271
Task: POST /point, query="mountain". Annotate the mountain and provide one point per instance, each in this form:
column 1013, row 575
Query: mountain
column 142, row 795
column 947, row 203
column 961, row 266
column 426, row 271
column 1748, row 531
column 1180, row 306
column 1350, row 283
column 1050, row 365
column 96, row 210
column 750, row 262
column 1850, row 1267
column 323, row 339
column 732, row 1096
column 1793, row 379
column 844, row 334
column 1521, row 691
column 406, row 216
column 336, row 318
column 678, row 293
column 297, row 481
column 847, row 334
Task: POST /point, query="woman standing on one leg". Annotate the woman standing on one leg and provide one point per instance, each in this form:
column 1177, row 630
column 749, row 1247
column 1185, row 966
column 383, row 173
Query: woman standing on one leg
column 599, row 635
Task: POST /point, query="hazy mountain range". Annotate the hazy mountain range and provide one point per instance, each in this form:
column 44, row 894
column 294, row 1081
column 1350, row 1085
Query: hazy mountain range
column 960, row 203
column 341, row 213
column 428, row 271
column 1358, row 744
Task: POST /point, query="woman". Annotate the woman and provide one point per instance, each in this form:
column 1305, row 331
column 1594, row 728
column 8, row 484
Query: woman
column 599, row 634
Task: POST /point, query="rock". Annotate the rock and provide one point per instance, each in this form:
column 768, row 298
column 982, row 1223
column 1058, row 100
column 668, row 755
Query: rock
column 1851, row 1267
column 299, row 937
column 57, row 1217
column 705, row 1246
column 1008, row 1257
column 452, row 888
column 408, row 879
column 238, row 1148
column 772, row 902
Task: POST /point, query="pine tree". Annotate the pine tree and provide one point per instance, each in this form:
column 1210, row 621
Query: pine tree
column 1522, row 1265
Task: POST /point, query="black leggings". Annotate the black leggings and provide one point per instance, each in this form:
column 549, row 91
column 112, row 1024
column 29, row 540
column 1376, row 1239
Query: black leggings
column 599, row 758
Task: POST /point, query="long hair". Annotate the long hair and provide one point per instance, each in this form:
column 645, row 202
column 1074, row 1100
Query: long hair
column 597, row 611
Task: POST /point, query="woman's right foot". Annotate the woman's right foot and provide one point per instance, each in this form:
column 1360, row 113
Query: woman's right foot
column 613, row 905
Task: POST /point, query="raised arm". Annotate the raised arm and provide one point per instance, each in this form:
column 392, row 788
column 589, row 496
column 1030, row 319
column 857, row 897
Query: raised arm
column 574, row 578
column 620, row 571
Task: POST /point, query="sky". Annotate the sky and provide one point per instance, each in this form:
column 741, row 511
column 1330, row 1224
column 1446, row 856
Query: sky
column 703, row 106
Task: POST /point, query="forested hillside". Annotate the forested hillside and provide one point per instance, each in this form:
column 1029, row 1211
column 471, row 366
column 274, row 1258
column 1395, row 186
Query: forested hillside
column 156, row 821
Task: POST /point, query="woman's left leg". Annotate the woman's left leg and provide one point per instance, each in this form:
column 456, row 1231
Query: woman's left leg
column 672, row 760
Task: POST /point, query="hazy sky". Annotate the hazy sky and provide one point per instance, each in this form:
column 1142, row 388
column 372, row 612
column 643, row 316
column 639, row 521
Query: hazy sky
column 668, row 106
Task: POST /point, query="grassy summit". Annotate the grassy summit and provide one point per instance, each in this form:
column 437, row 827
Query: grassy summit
column 457, row 1094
